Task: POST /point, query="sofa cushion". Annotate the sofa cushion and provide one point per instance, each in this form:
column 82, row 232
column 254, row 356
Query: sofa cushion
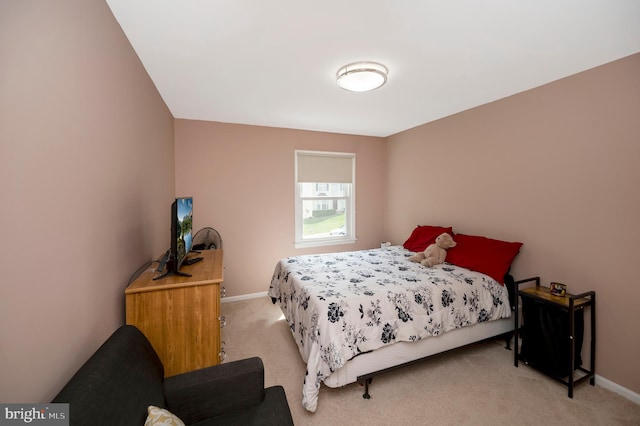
column 117, row 384
column 273, row 411
column 161, row 417
column 209, row 392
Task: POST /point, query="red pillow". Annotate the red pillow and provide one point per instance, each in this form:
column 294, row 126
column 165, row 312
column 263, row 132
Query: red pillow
column 491, row 257
column 423, row 236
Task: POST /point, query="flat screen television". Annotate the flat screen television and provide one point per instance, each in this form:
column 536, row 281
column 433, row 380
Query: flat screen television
column 181, row 237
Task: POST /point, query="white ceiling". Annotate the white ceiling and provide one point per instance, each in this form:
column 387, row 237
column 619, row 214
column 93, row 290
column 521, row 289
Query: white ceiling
column 273, row 62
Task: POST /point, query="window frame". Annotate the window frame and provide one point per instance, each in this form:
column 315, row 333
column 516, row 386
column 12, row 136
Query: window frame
column 350, row 201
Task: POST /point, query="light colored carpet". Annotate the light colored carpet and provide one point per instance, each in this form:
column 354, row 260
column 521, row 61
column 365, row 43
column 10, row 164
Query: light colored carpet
column 477, row 385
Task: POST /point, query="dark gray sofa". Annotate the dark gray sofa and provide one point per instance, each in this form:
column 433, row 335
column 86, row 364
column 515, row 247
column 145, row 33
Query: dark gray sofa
column 117, row 384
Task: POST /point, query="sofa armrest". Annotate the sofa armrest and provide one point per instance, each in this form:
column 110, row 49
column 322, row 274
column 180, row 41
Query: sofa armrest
column 211, row 391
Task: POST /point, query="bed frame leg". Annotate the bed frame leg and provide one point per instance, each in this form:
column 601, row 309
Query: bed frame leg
column 366, row 395
column 507, row 339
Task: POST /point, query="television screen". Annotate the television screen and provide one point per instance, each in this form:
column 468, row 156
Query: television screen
column 182, row 234
column 181, row 239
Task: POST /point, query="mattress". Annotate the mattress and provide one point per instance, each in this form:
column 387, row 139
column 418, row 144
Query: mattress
column 344, row 306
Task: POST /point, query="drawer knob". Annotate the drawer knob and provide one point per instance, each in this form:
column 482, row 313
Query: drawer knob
column 222, row 355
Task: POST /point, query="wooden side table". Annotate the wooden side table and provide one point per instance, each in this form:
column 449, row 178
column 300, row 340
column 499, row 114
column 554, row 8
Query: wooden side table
column 554, row 326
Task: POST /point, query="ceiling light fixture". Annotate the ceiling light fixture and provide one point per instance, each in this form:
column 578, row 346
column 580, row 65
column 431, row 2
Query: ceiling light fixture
column 362, row 76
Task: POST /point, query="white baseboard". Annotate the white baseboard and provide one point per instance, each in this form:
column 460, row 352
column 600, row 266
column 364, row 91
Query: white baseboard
column 243, row 297
column 614, row 387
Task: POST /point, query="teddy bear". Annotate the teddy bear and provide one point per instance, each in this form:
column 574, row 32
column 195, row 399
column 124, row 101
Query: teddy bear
column 435, row 253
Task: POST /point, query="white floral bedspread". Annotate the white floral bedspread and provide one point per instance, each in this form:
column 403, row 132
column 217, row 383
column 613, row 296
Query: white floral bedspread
column 339, row 305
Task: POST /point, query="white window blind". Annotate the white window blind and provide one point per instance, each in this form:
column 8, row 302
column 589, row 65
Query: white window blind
column 314, row 166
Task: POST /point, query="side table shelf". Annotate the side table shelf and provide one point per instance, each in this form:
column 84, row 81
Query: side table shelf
column 552, row 333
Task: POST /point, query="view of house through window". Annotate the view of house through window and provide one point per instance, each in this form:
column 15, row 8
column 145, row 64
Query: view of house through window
column 324, row 198
column 323, row 209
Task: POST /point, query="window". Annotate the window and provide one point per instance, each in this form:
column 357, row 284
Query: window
column 325, row 198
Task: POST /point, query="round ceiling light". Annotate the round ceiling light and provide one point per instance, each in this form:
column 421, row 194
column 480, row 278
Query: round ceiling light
column 362, row 76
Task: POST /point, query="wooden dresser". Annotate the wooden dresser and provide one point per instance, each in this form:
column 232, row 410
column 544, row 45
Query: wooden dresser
column 180, row 315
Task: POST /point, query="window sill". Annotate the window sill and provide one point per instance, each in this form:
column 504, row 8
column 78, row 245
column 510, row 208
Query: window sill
column 321, row 242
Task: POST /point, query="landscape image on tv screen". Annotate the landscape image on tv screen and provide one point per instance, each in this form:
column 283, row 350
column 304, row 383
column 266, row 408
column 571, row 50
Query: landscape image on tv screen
column 185, row 223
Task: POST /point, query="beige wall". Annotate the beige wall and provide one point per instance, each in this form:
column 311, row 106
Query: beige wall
column 86, row 171
column 556, row 168
column 241, row 178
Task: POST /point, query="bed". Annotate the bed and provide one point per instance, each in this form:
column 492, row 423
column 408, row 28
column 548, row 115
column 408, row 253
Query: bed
column 356, row 314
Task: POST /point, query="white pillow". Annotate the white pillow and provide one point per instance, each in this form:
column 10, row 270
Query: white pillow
column 159, row 416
